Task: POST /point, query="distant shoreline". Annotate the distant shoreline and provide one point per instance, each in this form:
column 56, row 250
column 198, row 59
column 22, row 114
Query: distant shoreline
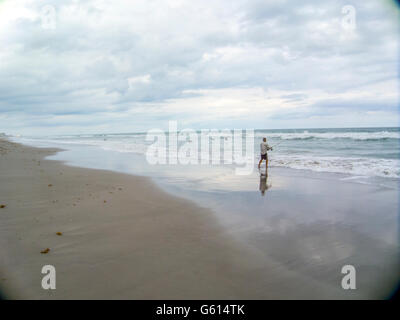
column 257, row 129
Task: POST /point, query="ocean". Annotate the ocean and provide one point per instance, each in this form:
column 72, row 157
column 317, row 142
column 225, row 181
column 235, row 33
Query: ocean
column 358, row 152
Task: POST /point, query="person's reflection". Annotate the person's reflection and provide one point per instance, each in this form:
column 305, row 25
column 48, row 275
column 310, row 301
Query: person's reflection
column 263, row 183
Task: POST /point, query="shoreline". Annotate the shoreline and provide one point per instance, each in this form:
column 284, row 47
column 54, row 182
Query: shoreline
column 142, row 243
column 120, row 234
column 90, row 156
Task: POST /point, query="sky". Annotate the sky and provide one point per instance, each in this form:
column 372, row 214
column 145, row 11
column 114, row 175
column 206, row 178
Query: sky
column 95, row 66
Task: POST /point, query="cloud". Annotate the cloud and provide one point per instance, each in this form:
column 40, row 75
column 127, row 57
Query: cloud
column 95, row 65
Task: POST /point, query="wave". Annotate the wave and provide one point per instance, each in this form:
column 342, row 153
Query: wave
column 388, row 168
column 305, row 135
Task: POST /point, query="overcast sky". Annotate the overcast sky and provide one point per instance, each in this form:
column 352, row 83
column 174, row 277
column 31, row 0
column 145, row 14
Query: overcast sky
column 123, row 66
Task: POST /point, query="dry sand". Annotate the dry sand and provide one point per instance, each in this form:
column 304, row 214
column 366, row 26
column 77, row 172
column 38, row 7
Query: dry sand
column 121, row 238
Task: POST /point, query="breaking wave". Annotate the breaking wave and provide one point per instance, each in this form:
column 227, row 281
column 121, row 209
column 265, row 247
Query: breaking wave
column 306, row 135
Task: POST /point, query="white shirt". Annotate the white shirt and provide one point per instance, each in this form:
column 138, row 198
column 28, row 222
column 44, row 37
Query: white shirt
column 264, row 147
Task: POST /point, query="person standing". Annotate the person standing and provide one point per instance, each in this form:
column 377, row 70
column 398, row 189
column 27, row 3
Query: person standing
column 264, row 147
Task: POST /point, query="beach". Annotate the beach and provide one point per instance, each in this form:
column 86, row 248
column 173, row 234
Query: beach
column 212, row 150
column 121, row 236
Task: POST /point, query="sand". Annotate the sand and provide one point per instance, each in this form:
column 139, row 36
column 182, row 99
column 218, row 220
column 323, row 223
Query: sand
column 121, row 237
column 117, row 236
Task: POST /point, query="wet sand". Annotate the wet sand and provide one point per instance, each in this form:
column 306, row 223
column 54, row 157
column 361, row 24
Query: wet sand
column 124, row 238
